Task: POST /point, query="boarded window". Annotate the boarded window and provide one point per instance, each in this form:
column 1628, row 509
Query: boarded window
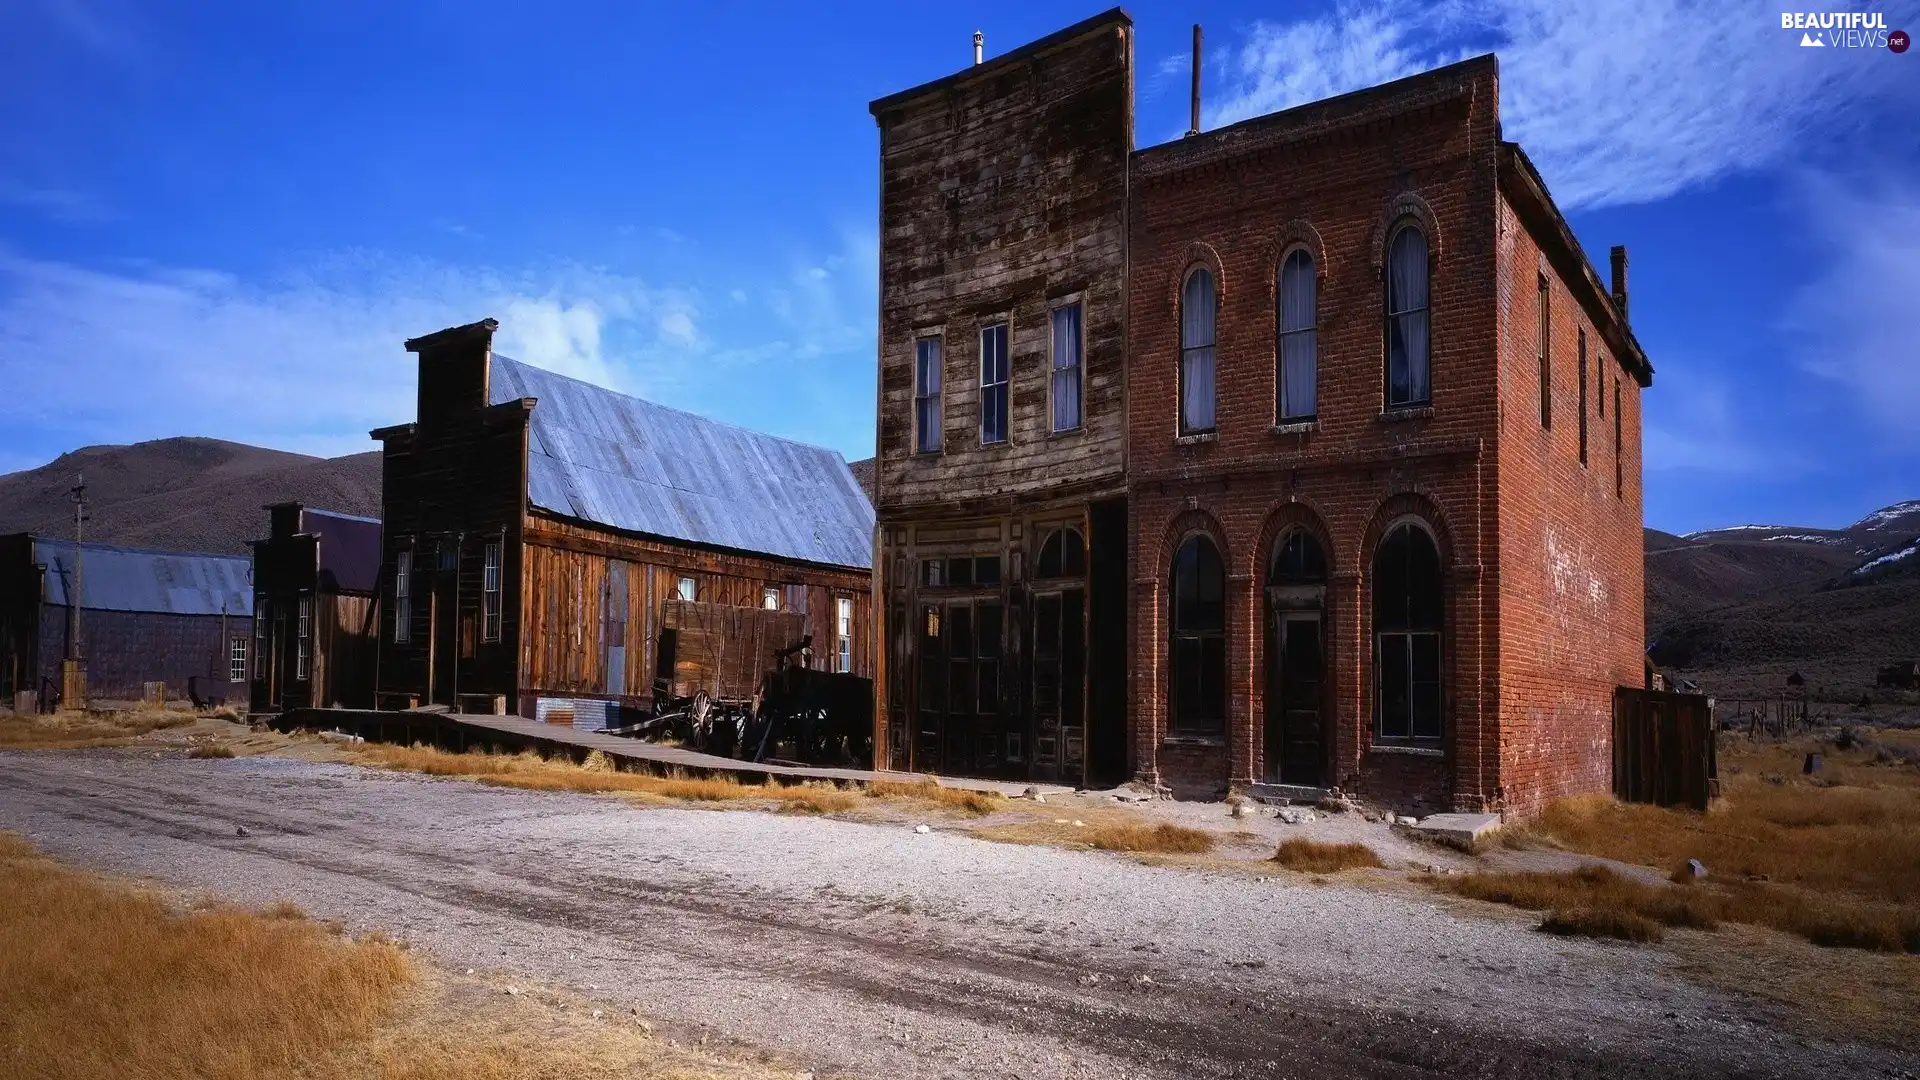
column 926, row 395
column 490, row 594
column 993, row 384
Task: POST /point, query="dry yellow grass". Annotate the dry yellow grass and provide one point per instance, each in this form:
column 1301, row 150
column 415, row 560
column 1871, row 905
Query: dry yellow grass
column 1313, row 857
column 1833, row 858
column 962, row 800
column 98, row 978
column 1162, row 839
column 1590, row 888
column 70, row 730
column 1603, row 922
column 209, row 750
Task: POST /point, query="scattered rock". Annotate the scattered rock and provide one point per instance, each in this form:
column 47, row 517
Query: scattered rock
column 469, row 971
column 1060, row 821
column 1696, row 868
column 644, row 1026
column 1405, row 820
column 596, row 1014
column 1143, row 980
column 242, row 831
column 1031, row 793
column 513, row 991
column 1289, row 816
column 1078, row 824
column 923, row 829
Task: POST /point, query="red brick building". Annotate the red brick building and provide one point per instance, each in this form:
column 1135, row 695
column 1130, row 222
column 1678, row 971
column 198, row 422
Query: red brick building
column 1381, row 540
column 1378, row 535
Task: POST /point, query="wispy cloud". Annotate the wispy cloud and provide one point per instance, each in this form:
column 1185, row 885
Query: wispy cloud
column 1698, row 423
column 60, row 204
column 1852, row 321
column 1618, row 103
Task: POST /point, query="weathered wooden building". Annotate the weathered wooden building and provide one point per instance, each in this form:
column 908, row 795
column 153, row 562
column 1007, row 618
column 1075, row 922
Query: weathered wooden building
column 314, row 581
column 1001, row 478
column 546, row 540
column 145, row 616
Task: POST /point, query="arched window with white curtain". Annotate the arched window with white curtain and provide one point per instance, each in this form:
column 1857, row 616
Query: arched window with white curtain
column 1407, row 322
column 1298, row 350
column 1197, row 301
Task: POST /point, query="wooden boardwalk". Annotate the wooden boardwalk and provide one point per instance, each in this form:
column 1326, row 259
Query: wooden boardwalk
column 459, row 731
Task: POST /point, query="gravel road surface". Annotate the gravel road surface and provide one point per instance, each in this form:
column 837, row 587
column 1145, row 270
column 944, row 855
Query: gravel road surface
column 876, row 951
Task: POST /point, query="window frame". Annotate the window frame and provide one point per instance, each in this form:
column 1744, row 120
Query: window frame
column 303, row 638
column 686, row 587
column 403, row 598
column 1280, row 335
column 261, row 631
column 1390, row 316
column 925, row 440
column 1078, row 367
column 1407, row 637
column 770, row 598
column 237, row 654
column 1004, row 386
column 843, row 633
column 1583, row 396
column 1209, row 727
column 1619, row 447
column 1213, row 346
column 1545, row 331
column 491, row 572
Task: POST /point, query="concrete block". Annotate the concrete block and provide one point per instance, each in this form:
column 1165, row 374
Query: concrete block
column 1458, row 830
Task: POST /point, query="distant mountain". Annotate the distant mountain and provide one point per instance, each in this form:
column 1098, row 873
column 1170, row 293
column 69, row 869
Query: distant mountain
column 183, row 494
column 1738, row 609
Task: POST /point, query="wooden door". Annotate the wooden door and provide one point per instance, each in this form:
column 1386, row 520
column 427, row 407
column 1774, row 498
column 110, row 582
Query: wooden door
column 1296, row 717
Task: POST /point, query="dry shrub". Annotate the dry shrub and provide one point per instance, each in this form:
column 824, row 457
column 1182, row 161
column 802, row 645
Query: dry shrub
column 75, row 729
column 1603, row 922
column 1589, row 887
column 1162, row 839
column 1314, row 857
column 209, row 750
column 98, row 979
column 962, row 800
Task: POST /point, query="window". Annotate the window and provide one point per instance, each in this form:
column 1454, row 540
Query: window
column 260, row 606
column 1600, row 380
column 490, row 594
column 770, row 598
column 1199, row 645
column 1546, row 355
column 1583, row 395
column 1619, row 470
column 993, row 384
column 1196, row 353
column 1298, row 560
column 843, row 634
column 1299, row 346
column 402, row 598
column 1063, row 555
column 684, row 588
column 933, row 573
column 1407, row 352
column 237, row 660
column 926, row 395
column 303, row 639
column 1406, row 623
column 1066, row 367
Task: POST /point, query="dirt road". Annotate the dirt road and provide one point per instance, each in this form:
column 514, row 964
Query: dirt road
column 875, row 951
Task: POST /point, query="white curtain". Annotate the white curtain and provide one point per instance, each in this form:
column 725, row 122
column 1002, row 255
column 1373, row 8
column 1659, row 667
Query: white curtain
column 1407, row 319
column 1066, row 367
column 1196, row 353
column 1299, row 337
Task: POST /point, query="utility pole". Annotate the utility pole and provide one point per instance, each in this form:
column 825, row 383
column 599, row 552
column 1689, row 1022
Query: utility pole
column 74, row 675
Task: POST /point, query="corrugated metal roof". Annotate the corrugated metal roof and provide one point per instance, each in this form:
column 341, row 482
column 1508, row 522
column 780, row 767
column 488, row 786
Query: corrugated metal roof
column 630, row 464
column 349, row 548
column 131, row 579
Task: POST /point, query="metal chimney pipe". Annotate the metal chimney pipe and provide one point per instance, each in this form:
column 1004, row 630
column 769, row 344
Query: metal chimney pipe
column 979, row 47
column 1620, row 278
column 1195, row 128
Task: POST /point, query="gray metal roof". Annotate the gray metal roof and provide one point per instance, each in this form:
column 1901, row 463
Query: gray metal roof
column 615, row 460
column 131, row 579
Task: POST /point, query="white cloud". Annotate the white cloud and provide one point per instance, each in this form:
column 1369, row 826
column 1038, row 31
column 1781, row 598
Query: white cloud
column 60, row 204
column 677, row 326
column 1697, row 423
column 1617, row 103
column 1853, row 320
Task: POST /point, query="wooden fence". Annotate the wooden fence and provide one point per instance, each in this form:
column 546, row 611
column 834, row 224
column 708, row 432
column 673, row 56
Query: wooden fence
column 1663, row 748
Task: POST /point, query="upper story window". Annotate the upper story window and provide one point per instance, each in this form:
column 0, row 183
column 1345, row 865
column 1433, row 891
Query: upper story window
column 1067, row 345
column 303, row 639
column 1583, row 395
column 993, row 384
column 843, row 634
column 403, row 598
column 490, row 593
column 1407, row 324
column 1197, row 300
column 1545, row 332
column 684, row 588
column 1619, row 469
column 926, row 395
column 1299, row 346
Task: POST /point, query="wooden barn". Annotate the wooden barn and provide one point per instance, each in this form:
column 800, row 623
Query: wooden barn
column 314, row 581
column 145, row 616
column 550, row 544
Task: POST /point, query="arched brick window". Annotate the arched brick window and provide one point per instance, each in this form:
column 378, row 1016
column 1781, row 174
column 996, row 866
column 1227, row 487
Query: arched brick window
column 1407, row 636
column 1408, row 349
column 1297, row 560
column 1297, row 352
column 1197, row 311
column 1198, row 649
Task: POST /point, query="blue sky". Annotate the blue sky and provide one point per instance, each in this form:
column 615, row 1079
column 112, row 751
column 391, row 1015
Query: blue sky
column 223, row 218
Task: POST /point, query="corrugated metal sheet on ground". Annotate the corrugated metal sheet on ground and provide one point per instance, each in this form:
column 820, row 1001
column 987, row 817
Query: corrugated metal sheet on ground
column 630, row 464
column 129, row 579
column 583, row 714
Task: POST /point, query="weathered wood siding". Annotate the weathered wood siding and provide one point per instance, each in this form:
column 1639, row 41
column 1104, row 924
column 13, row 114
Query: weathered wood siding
column 570, row 621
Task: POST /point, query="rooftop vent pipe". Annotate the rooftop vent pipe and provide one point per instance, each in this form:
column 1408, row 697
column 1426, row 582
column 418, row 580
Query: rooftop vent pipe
column 1195, row 128
column 979, row 46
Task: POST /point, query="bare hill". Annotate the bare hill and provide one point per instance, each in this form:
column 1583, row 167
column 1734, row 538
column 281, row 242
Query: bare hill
column 183, row 494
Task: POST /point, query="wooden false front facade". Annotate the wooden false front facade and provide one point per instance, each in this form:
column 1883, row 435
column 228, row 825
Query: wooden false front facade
column 501, row 589
column 314, row 581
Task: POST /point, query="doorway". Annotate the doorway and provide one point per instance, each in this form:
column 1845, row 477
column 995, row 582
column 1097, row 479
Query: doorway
column 1296, row 740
